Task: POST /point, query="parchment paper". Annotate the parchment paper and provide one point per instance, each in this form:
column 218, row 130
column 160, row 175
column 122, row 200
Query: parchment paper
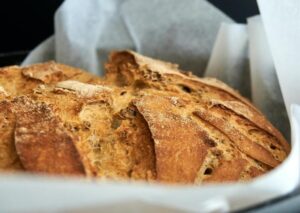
column 265, row 90
column 229, row 60
column 281, row 22
column 86, row 31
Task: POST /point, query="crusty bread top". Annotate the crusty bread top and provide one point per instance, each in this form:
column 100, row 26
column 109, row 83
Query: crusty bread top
column 169, row 69
column 77, row 128
column 260, row 145
column 187, row 148
column 147, row 120
column 147, row 69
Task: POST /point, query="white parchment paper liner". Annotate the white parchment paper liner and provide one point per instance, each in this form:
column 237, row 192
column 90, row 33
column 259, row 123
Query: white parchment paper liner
column 86, row 31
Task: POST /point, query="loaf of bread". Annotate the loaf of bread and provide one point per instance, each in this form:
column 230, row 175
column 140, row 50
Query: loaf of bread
column 145, row 120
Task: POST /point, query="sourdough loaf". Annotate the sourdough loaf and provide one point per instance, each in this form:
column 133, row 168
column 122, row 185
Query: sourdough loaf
column 146, row 120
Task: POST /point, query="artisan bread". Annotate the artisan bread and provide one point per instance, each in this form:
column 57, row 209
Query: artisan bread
column 146, row 120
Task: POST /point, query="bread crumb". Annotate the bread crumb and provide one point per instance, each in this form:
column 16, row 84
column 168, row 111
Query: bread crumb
column 174, row 100
column 83, row 89
column 2, row 91
column 22, row 130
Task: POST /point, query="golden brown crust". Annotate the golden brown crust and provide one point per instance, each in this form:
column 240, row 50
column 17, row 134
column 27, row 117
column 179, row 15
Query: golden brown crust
column 131, row 128
column 171, row 71
column 17, row 80
column 244, row 143
column 113, row 142
column 9, row 159
column 175, row 130
column 179, row 145
column 146, row 121
column 13, row 82
column 42, row 143
column 257, row 119
column 228, row 171
column 166, row 68
column 256, row 145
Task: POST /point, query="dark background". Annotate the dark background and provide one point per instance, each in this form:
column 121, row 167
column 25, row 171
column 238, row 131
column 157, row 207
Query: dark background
column 25, row 23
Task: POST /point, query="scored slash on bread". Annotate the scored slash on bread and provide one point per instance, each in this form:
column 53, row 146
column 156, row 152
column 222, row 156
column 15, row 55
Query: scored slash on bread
column 186, row 147
column 179, row 142
column 146, row 120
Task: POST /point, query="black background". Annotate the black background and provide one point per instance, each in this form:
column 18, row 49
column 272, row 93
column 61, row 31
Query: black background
column 25, row 23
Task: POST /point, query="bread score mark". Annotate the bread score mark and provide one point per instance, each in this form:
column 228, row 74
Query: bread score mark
column 256, row 119
column 179, row 146
column 246, row 145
